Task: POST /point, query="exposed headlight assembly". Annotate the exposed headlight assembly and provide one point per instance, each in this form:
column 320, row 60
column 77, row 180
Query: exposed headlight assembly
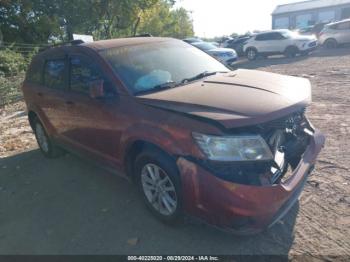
column 233, row 148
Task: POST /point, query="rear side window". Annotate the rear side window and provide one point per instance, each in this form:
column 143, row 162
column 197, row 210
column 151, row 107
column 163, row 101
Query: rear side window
column 82, row 74
column 54, row 74
column 34, row 74
column 343, row 26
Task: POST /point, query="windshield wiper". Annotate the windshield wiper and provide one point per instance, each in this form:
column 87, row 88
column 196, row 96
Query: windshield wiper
column 163, row 86
column 201, row 75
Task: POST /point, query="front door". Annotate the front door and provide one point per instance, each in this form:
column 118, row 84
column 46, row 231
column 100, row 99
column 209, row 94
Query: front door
column 93, row 122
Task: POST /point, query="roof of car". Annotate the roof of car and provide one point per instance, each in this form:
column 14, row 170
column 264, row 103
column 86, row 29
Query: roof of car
column 272, row 31
column 118, row 42
column 339, row 22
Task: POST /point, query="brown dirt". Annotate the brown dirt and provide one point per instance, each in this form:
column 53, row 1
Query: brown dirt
column 323, row 223
column 322, row 226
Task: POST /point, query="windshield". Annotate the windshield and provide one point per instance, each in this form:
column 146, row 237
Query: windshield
column 204, row 46
column 147, row 66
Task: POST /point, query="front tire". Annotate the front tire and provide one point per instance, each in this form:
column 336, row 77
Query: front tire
column 159, row 183
column 331, row 43
column 47, row 147
column 251, row 54
column 291, row 52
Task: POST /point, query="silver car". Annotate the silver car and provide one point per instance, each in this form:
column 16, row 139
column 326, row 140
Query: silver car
column 335, row 34
column 226, row 56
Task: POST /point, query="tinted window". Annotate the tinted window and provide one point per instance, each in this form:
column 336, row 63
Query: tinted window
column 261, row 37
column 83, row 72
column 34, row 74
column 269, row 36
column 54, row 73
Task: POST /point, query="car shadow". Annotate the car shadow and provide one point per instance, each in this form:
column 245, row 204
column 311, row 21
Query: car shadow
column 70, row 206
column 263, row 62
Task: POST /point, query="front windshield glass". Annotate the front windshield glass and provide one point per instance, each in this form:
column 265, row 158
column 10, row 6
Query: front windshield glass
column 205, row 46
column 144, row 67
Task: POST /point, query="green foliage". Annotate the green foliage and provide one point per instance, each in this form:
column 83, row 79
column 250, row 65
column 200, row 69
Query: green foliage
column 10, row 90
column 39, row 21
column 11, row 62
column 162, row 21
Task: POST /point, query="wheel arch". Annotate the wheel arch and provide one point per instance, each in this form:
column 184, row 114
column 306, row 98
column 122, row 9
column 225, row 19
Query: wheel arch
column 134, row 148
column 290, row 47
column 31, row 118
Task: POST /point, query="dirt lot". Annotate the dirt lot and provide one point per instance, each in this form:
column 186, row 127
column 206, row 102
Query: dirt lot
column 68, row 206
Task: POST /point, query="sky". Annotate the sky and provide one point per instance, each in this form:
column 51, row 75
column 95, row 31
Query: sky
column 223, row 17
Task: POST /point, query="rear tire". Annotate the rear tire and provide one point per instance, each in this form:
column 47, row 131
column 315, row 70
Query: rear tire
column 331, row 43
column 47, row 147
column 159, row 183
column 251, row 54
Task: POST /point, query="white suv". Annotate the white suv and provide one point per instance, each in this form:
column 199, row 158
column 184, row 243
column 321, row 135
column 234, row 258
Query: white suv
column 279, row 42
column 335, row 34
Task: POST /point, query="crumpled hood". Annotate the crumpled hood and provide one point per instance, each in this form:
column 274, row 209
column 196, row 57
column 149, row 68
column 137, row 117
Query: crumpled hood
column 237, row 98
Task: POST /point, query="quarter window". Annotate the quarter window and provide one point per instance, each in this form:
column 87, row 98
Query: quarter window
column 54, row 74
column 34, row 74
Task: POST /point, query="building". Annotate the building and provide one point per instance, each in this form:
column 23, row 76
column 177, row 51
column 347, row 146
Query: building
column 307, row 13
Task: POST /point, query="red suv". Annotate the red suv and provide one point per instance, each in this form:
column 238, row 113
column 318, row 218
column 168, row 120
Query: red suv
column 232, row 148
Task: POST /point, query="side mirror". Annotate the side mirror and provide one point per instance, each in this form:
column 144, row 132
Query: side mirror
column 96, row 89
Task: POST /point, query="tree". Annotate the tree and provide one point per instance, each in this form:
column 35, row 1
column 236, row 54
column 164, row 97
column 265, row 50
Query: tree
column 162, row 21
column 40, row 21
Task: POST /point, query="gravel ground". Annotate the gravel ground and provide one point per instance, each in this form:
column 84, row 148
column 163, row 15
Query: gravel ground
column 69, row 206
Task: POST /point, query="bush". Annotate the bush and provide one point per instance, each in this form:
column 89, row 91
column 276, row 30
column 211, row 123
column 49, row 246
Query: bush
column 12, row 63
column 10, row 89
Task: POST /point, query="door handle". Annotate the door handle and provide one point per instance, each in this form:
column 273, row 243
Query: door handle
column 69, row 103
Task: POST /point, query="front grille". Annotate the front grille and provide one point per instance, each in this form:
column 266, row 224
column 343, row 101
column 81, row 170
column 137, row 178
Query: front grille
column 292, row 122
column 285, row 135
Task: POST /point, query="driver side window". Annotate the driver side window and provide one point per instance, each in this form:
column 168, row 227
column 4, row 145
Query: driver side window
column 82, row 74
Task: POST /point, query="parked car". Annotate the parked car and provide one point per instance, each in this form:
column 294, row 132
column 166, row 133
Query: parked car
column 225, row 55
column 312, row 30
column 185, row 128
column 335, row 34
column 237, row 44
column 279, row 42
column 192, row 40
column 216, row 44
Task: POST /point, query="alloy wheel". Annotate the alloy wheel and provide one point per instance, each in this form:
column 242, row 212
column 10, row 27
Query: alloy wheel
column 251, row 54
column 159, row 189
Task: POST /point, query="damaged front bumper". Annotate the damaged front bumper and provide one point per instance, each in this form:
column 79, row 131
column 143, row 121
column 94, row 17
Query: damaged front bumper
column 244, row 209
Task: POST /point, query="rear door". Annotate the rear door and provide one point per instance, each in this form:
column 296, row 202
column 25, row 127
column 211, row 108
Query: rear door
column 270, row 42
column 343, row 32
column 93, row 122
column 51, row 95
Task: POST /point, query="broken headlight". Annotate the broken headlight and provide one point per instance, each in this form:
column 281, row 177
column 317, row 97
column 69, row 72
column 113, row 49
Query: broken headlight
column 233, row 148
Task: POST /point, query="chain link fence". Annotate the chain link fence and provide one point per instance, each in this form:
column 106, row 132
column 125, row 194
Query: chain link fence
column 14, row 59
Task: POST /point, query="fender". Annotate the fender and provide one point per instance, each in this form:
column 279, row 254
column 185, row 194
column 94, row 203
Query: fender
column 150, row 134
column 43, row 119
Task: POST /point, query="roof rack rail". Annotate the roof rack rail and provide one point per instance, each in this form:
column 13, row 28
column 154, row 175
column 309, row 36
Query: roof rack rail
column 69, row 43
column 143, row 35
